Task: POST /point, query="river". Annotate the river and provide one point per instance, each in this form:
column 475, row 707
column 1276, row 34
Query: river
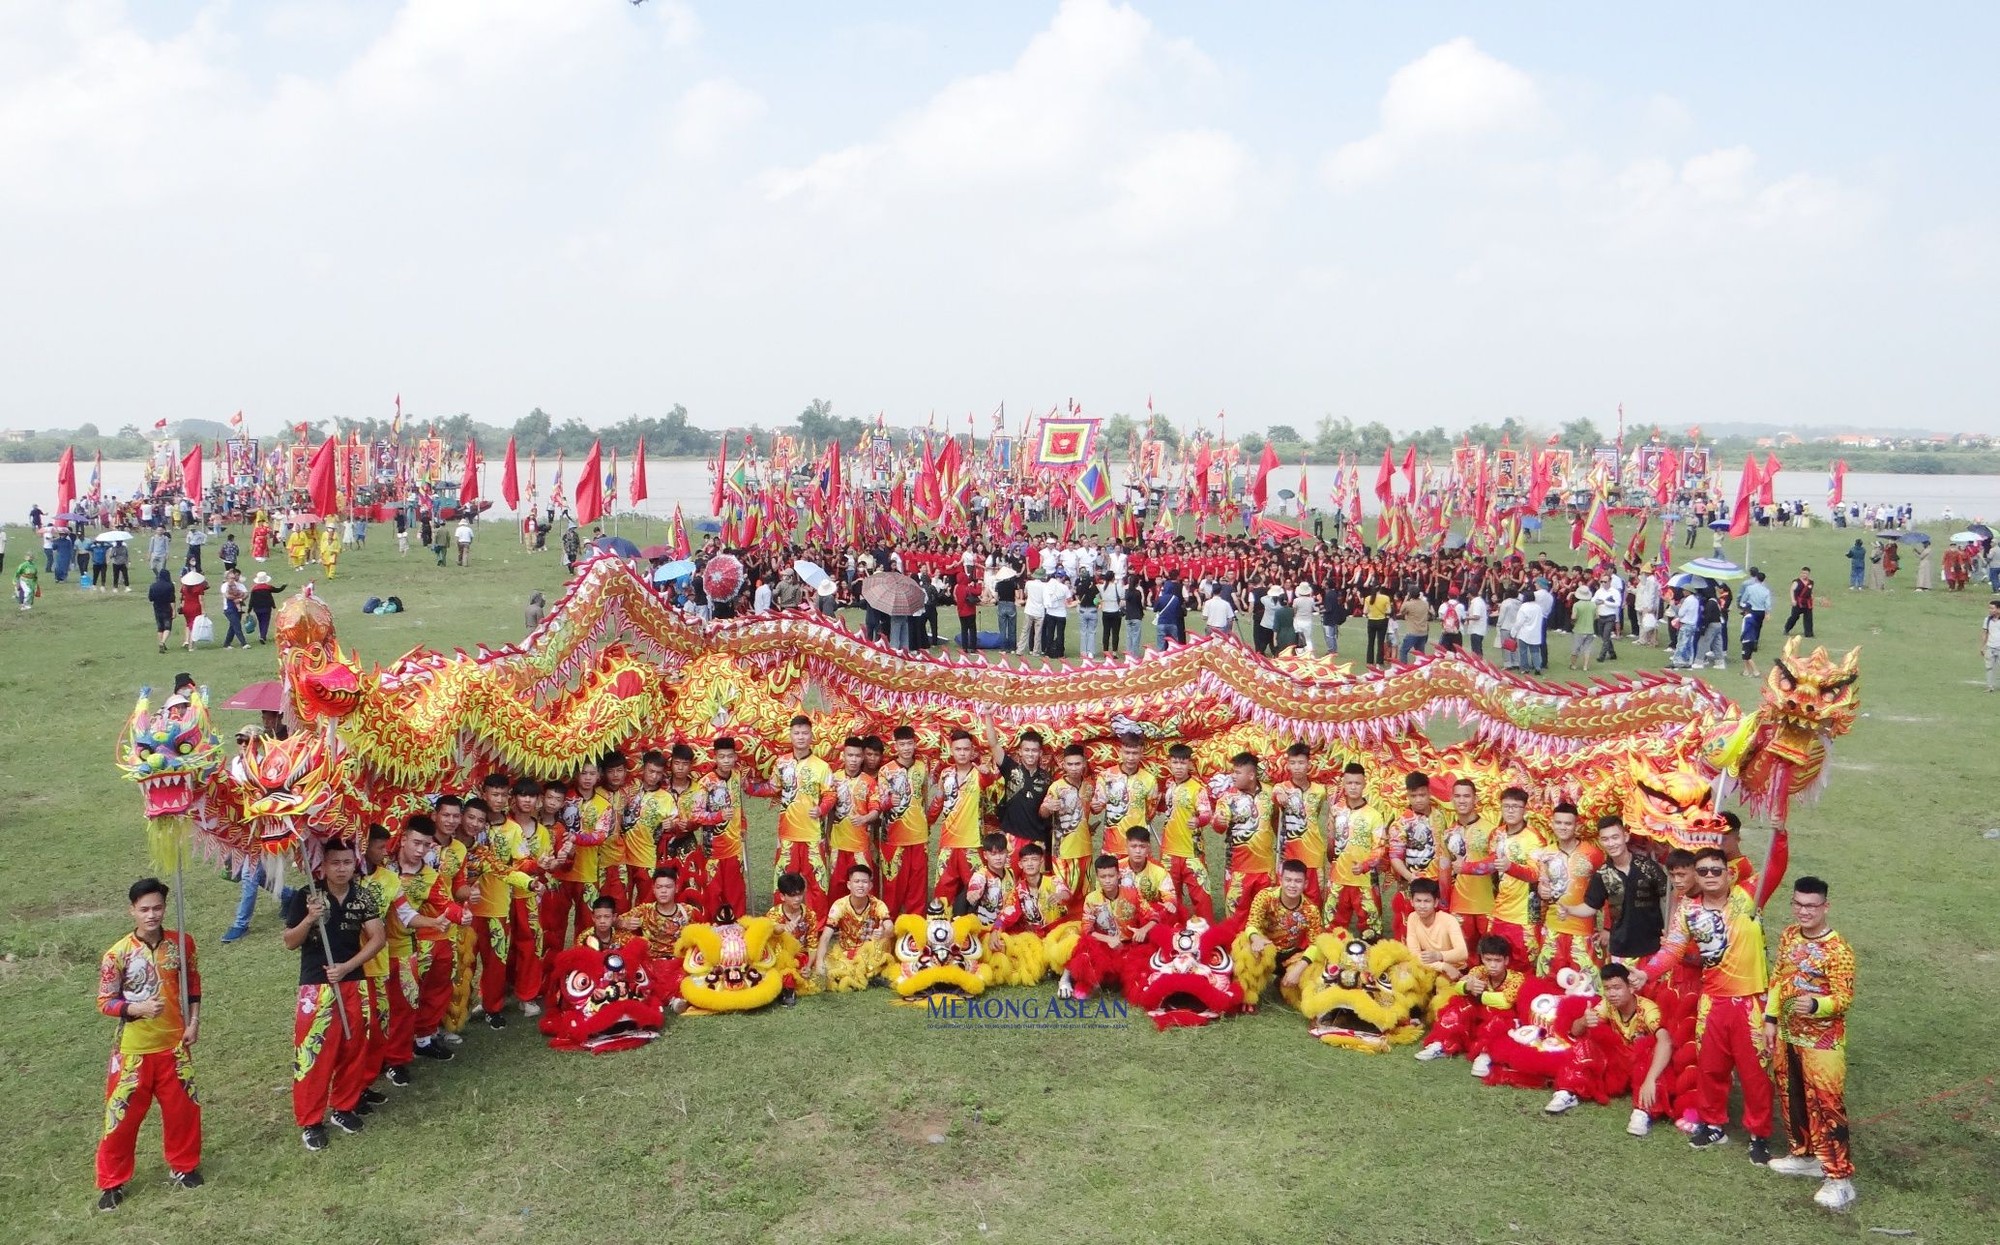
column 685, row 482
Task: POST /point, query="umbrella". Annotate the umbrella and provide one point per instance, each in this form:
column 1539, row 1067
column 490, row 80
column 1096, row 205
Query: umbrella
column 1683, row 580
column 1531, row 523
column 1890, row 535
column 618, row 545
column 115, row 537
column 1916, row 538
column 894, row 593
column 1718, row 525
column 672, row 571
column 1286, row 494
column 1984, row 532
column 656, row 553
column 1712, row 568
column 194, row 577
column 811, row 574
column 267, row 695
column 1967, row 538
column 710, row 526
column 1004, row 574
column 1455, row 540
column 71, row 517
column 722, row 578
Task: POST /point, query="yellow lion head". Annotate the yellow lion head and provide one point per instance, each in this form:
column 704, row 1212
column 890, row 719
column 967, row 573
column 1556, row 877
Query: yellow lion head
column 936, row 954
column 1366, row 997
column 731, row 968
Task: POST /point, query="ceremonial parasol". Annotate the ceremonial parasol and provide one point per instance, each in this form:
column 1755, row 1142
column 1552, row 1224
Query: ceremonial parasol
column 1712, row 568
column 265, row 696
column 722, row 578
column 672, row 571
column 894, row 593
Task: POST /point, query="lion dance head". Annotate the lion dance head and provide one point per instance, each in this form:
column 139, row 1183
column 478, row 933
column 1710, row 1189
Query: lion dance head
column 1367, row 997
column 937, row 955
column 1189, row 976
column 733, row 967
column 604, row 1000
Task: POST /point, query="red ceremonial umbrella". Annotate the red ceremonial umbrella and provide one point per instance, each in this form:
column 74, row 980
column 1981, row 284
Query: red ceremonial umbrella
column 655, row 553
column 259, row 697
column 722, row 578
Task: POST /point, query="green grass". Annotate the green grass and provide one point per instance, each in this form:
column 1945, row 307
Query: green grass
column 817, row 1123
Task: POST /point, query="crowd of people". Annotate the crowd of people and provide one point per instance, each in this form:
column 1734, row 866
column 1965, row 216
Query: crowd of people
column 410, row 935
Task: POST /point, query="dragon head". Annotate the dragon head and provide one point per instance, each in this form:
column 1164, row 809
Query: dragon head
column 937, row 955
column 324, row 682
column 731, row 968
column 1810, row 699
column 170, row 754
column 1665, row 799
column 1189, row 979
column 289, row 786
column 604, row 1000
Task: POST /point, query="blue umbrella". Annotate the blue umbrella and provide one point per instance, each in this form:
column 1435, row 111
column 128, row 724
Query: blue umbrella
column 1532, row 524
column 1683, row 580
column 618, row 545
column 710, row 526
column 1916, row 538
column 1718, row 525
column 671, row 571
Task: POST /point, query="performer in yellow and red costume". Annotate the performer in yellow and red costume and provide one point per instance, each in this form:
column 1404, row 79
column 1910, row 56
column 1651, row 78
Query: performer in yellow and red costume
column 1805, row 1027
column 139, row 984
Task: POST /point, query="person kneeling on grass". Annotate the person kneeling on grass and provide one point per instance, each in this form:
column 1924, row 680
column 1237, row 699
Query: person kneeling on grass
column 1619, row 1046
column 857, row 930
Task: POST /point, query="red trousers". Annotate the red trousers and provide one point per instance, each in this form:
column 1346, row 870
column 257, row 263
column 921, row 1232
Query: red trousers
column 843, row 860
column 565, row 911
column 495, row 947
column 1724, row 1042
column 726, row 885
column 808, row 860
column 1560, row 951
column 955, row 867
column 329, row 1064
column 524, row 964
column 134, row 1082
column 1474, row 925
column 1191, row 887
column 1603, row 1066
column 1521, row 954
column 433, row 969
column 1240, row 889
column 906, row 877
column 1465, row 1026
column 375, row 1001
column 405, row 1000
column 1399, row 914
column 1354, row 909
column 613, row 884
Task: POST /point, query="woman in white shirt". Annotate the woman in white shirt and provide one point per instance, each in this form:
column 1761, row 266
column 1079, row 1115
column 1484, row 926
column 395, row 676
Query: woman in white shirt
column 1529, row 633
column 1476, row 614
column 1509, row 608
column 1302, row 615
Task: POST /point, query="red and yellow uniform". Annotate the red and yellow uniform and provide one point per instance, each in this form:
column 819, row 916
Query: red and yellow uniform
column 857, row 953
column 1811, row 1059
column 1359, row 843
column 955, row 809
column 1095, row 963
column 452, row 865
column 572, row 884
column 434, row 951
column 1247, row 822
column 385, row 887
column 1301, row 815
column 681, row 848
column 402, row 991
column 1471, row 848
column 805, row 797
column 150, row 1060
column 902, row 794
column 1469, row 1021
column 499, row 877
column 639, row 821
column 799, row 927
column 722, row 808
column 1033, row 909
column 1290, row 930
column 1070, row 830
column 661, row 928
column 1128, row 803
column 1189, row 810
column 1566, row 938
column 1729, row 1020
column 524, row 965
column 849, row 837
column 1516, row 862
column 1417, row 844
column 1611, row 1059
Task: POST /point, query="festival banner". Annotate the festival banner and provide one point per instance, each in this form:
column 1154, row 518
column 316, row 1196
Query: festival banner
column 1065, row 441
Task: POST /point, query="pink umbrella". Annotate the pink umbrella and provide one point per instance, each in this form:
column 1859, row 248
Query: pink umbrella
column 267, row 695
column 722, row 577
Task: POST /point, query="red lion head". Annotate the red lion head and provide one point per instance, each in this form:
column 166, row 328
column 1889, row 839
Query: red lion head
column 603, row 1000
column 1189, row 976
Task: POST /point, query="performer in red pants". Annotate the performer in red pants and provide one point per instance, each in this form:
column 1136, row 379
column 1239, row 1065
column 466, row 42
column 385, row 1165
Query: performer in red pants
column 139, row 985
column 334, row 927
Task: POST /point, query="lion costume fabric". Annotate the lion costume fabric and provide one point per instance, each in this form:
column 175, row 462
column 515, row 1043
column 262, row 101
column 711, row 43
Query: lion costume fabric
column 603, row 1001
column 938, row 955
column 1187, row 975
column 1365, row 997
column 737, row 967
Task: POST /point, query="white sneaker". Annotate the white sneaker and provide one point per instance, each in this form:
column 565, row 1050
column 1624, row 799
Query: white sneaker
column 531, row 1008
column 1797, row 1165
column 1433, row 1050
column 1835, row 1194
column 1482, row 1065
column 1561, row 1102
column 1640, row 1124
column 452, row 1039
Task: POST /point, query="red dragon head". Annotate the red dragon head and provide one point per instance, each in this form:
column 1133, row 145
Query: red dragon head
column 324, row 682
column 1189, row 978
column 292, row 791
column 171, row 754
column 604, row 1000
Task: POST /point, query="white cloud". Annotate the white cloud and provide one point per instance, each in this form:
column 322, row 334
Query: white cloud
column 1434, row 105
column 711, row 113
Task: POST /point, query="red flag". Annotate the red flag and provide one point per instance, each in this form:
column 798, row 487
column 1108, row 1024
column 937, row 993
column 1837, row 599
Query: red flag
column 1267, row 462
column 1765, row 496
column 66, row 480
column 510, row 479
column 1776, row 861
column 832, row 490
column 320, row 480
column 590, row 487
column 677, row 535
column 190, row 475
column 1836, row 483
column 1667, row 477
column 639, row 475
column 721, row 470
column 1410, row 473
column 468, row 485
column 1385, row 479
column 1746, row 491
column 1597, row 527
column 1203, row 461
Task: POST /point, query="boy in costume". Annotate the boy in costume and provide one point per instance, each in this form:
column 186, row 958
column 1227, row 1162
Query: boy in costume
column 648, row 805
column 1805, row 1026
column 679, row 834
column 385, row 889
column 1068, row 805
column 903, row 795
column 1281, row 927
column 1115, row 924
column 1437, row 940
column 954, row 808
column 1417, row 848
column 418, row 921
column 1301, row 811
column 1620, row 1046
column 1035, row 911
column 805, row 797
column 660, row 923
column 858, row 929
column 1517, row 850
column 1125, row 794
column 335, row 928
column 573, row 882
column 855, row 810
column 1246, row 818
column 1566, row 870
column 534, row 849
column 139, row 983
column 794, row 922
column 603, row 934
column 1358, row 842
column 1189, row 809
column 1729, row 1021
column 1470, row 844
column 493, row 867
column 722, row 810
column 1485, row 1000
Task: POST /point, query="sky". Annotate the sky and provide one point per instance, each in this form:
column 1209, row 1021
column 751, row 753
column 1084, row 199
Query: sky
column 1419, row 214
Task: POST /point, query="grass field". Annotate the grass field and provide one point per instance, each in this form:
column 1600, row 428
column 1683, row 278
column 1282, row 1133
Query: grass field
column 851, row 1119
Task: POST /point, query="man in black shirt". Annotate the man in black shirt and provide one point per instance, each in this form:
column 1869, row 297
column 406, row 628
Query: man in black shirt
column 1635, row 887
column 1024, row 783
column 334, row 927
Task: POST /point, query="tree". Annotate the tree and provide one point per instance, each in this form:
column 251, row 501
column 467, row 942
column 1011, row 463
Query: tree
column 531, row 432
column 1582, row 434
column 1284, row 434
column 1118, row 433
column 1162, row 429
column 129, row 432
column 818, row 423
column 1252, row 445
column 87, row 432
